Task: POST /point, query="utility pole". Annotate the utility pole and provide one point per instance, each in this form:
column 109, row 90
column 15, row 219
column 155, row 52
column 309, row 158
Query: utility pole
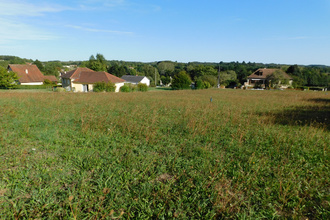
column 219, row 76
column 155, row 79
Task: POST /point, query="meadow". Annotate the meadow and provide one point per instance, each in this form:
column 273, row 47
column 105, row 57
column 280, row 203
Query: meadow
column 165, row 155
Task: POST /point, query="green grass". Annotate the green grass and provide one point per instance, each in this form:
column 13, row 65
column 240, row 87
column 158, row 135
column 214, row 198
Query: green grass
column 164, row 155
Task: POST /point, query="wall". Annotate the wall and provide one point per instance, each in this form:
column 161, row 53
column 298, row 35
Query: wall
column 146, row 81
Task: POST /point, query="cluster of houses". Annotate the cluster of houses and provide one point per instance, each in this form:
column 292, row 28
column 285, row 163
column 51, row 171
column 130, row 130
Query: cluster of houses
column 82, row 79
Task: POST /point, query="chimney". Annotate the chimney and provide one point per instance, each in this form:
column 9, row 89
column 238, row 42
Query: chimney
column 26, row 71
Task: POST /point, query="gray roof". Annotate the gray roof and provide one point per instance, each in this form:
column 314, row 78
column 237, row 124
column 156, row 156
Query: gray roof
column 133, row 79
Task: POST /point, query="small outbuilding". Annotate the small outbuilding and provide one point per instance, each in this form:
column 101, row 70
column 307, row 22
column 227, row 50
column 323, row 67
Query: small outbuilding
column 136, row 79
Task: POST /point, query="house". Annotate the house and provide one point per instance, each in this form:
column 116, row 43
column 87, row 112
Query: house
column 83, row 79
column 28, row 74
column 261, row 78
column 136, row 79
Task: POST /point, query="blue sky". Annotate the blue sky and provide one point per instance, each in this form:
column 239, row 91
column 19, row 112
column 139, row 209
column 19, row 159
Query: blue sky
column 267, row 31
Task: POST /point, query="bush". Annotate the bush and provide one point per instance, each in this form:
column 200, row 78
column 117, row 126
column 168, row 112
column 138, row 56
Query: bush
column 142, row 87
column 207, row 85
column 7, row 79
column 210, row 79
column 110, row 87
column 132, row 87
column 48, row 82
column 199, row 84
column 60, row 89
column 103, row 86
column 125, row 88
column 181, row 81
column 99, row 87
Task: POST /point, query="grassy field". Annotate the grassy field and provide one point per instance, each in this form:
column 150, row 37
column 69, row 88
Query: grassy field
column 165, row 155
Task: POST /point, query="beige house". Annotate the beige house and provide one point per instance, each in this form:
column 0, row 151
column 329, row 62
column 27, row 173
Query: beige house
column 83, row 79
column 262, row 76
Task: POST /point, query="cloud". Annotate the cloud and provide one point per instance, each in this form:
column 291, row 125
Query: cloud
column 101, row 4
column 289, row 38
column 21, row 8
column 97, row 30
column 15, row 26
column 11, row 31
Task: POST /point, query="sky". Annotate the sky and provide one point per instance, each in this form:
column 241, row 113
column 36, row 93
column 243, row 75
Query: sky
column 262, row 31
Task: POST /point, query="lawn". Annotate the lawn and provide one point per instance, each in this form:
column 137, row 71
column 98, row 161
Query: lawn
column 165, row 155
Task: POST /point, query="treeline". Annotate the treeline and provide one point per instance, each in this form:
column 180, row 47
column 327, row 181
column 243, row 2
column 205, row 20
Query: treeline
column 228, row 74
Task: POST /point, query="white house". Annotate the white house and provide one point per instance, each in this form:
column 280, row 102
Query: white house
column 83, row 79
column 136, row 79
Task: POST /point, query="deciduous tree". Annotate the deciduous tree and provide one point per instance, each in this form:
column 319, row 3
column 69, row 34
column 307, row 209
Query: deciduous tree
column 7, row 79
column 181, row 81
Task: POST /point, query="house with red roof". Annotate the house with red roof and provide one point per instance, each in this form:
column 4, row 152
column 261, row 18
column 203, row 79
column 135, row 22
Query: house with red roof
column 262, row 77
column 83, row 79
column 28, row 74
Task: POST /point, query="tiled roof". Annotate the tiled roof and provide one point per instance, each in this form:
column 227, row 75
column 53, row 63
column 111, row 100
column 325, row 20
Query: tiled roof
column 74, row 74
column 27, row 73
column 264, row 73
column 85, row 75
column 51, row 78
column 132, row 78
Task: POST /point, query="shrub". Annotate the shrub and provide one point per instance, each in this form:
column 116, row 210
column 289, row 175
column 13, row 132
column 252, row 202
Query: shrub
column 48, row 82
column 110, row 87
column 207, row 85
column 132, row 87
column 99, row 87
column 199, row 84
column 142, row 87
column 7, row 79
column 60, row 89
column 125, row 88
column 181, row 81
column 210, row 79
column 103, row 86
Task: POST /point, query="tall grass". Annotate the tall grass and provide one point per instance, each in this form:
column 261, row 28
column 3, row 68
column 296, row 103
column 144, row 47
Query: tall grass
column 165, row 154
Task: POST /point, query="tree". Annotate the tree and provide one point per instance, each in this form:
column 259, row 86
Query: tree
column 227, row 76
column 181, row 81
column 201, row 70
column 276, row 79
column 39, row 65
column 212, row 80
column 165, row 66
column 7, row 79
column 152, row 73
column 53, row 68
column 117, row 70
column 165, row 80
column 294, row 70
column 98, row 63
